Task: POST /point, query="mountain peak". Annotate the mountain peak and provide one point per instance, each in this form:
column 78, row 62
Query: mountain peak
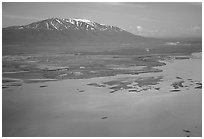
column 75, row 30
column 68, row 24
column 82, row 20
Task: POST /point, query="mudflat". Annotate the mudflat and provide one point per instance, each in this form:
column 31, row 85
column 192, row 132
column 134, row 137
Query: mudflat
column 144, row 104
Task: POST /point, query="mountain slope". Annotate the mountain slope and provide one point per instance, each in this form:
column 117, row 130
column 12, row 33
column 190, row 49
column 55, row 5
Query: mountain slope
column 67, row 30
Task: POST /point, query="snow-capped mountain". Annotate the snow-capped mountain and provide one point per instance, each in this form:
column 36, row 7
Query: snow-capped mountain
column 67, row 30
column 67, row 24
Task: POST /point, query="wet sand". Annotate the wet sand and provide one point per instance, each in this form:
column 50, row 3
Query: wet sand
column 73, row 108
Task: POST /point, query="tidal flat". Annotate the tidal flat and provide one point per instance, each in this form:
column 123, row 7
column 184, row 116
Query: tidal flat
column 102, row 96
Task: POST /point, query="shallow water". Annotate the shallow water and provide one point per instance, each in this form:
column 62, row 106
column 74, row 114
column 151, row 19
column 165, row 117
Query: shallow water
column 187, row 68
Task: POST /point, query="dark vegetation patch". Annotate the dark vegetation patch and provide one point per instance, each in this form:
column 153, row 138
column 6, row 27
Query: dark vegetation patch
column 6, row 83
column 149, row 80
column 105, row 117
column 113, row 91
column 178, row 84
column 43, row 86
column 68, row 66
column 97, row 85
column 175, row 90
column 81, row 91
column 157, row 88
column 4, row 87
column 140, row 84
column 198, row 87
column 134, row 90
column 178, row 78
column 184, row 57
column 187, row 131
column 111, row 83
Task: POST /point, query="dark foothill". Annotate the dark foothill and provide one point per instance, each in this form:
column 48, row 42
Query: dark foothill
column 178, row 77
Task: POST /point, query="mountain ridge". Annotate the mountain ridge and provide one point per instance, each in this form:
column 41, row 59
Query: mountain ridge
column 67, row 30
column 60, row 24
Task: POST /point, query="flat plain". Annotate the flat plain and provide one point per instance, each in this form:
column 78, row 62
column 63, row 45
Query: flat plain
column 118, row 93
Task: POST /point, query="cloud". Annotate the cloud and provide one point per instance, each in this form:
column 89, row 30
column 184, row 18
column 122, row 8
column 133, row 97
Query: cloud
column 134, row 5
column 195, row 3
column 20, row 17
column 127, row 4
column 196, row 28
column 139, row 28
column 153, row 20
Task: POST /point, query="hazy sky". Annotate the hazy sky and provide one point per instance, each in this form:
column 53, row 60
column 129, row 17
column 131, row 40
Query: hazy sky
column 147, row 19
